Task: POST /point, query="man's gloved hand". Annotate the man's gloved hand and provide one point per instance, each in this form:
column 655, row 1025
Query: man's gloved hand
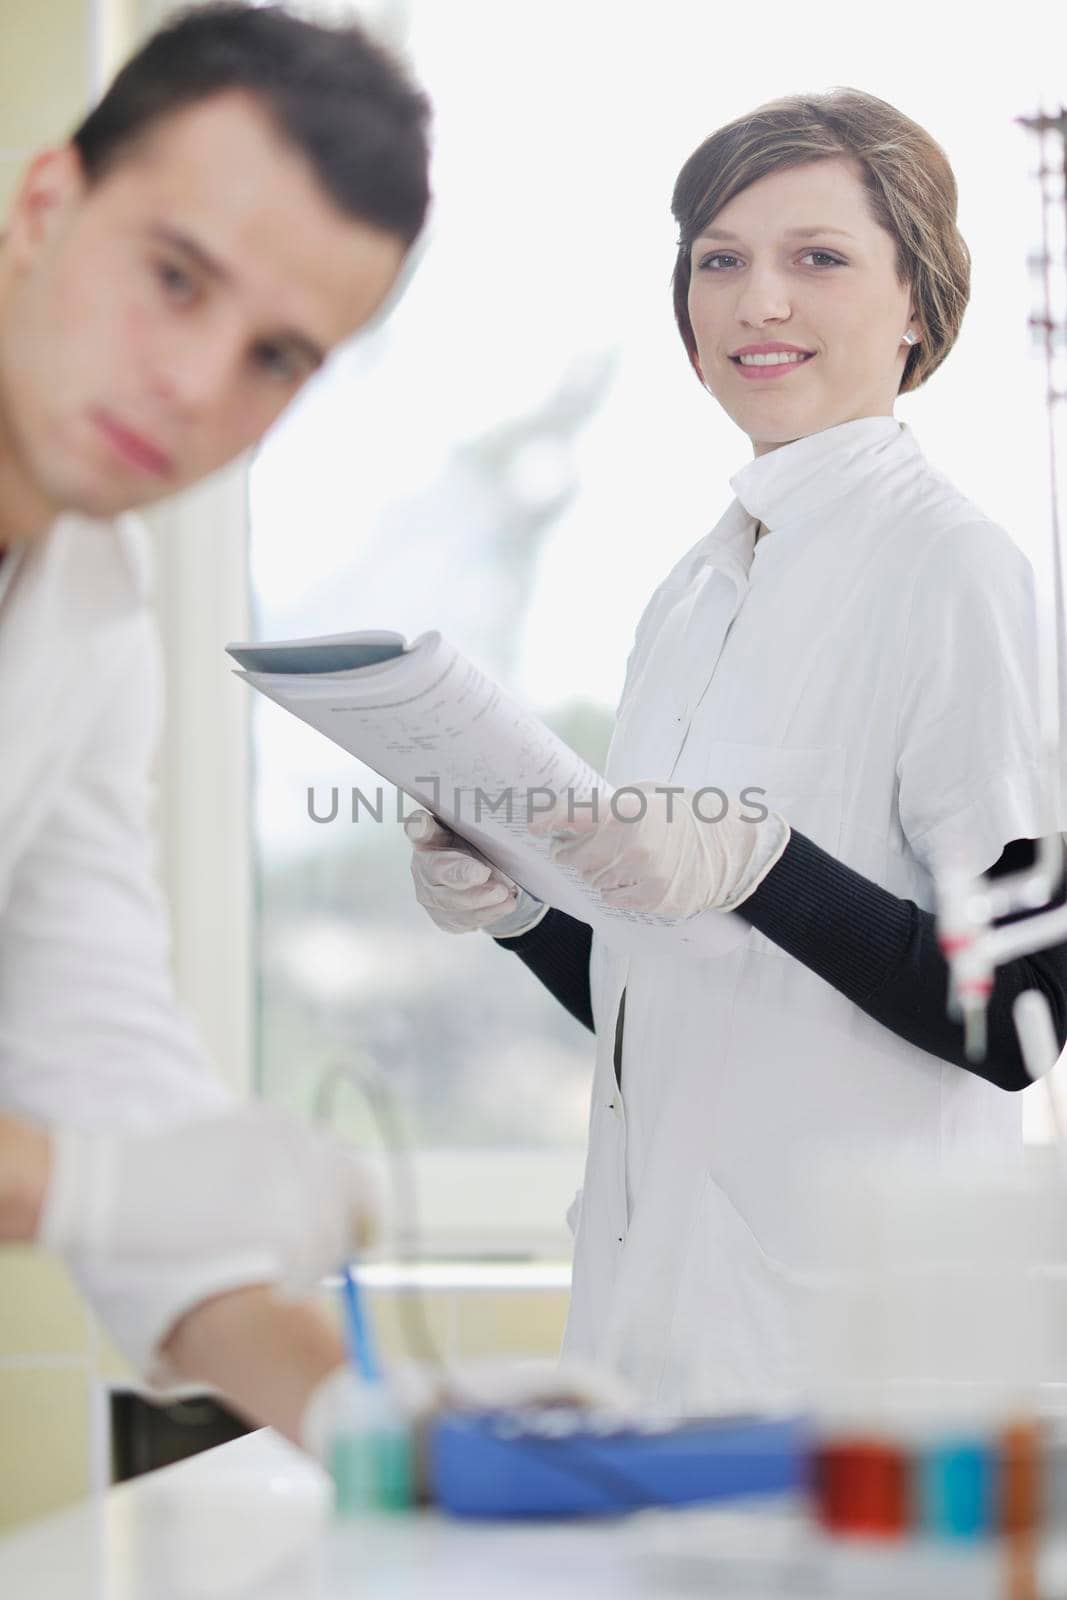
column 256, row 1178
column 666, row 860
column 421, row 1392
column 460, row 891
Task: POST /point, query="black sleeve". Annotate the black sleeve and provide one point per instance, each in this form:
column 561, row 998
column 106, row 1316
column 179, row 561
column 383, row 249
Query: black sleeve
column 557, row 951
column 875, row 948
column 882, row 952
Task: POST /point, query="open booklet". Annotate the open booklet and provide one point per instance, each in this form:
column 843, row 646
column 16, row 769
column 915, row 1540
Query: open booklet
column 428, row 720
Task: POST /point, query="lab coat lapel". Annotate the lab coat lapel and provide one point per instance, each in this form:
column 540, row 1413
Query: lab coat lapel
column 808, row 574
column 698, row 603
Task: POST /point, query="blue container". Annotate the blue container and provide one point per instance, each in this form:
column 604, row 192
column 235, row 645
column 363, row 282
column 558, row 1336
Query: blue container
column 555, row 1463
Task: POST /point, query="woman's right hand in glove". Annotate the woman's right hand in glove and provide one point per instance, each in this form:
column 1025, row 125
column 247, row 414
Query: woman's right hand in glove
column 461, row 892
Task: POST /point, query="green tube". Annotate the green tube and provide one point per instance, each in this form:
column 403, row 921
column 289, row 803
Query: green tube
column 372, row 1471
column 371, row 1456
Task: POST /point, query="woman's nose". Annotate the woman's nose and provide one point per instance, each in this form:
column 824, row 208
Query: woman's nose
column 762, row 298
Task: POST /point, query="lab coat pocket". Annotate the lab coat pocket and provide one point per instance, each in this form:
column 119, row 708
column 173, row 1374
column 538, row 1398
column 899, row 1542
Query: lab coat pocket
column 806, row 784
column 733, row 1338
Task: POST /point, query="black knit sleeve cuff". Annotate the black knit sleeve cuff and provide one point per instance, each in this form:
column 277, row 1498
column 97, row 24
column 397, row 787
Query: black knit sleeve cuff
column 557, row 951
column 811, row 905
column 545, row 933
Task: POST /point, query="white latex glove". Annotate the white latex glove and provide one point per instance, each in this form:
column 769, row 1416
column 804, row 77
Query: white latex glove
column 668, row 862
column 422, row 1392
column 256, row 1178
column 459, row 890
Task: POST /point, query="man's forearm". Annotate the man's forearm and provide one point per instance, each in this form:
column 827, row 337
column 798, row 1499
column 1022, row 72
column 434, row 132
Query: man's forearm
column 266, row 1355
column 25, row 1160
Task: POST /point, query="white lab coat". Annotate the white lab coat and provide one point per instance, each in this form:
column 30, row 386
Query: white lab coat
column 871, row 667
column 90, row 1033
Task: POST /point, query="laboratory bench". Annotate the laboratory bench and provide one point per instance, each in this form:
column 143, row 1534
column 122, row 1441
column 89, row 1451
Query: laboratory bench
column 253, row 1519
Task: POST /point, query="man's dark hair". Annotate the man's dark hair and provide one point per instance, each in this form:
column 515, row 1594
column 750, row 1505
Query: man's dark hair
column 334, row 93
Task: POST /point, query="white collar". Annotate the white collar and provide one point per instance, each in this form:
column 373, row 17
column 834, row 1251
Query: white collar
column 808, row 474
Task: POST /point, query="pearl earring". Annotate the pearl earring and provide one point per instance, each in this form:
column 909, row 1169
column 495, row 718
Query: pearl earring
column 909, row 338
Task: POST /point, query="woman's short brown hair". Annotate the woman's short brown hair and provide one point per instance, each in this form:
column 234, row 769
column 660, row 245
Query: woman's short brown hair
column 907, row 176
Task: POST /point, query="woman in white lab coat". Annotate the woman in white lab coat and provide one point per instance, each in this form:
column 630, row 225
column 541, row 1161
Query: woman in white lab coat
column 841, row 678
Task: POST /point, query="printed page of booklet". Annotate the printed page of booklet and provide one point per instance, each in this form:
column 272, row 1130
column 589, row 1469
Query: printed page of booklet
column 430, row 721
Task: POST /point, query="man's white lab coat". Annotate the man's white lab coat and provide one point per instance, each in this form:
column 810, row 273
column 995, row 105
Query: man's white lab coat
column 90, row 1033
column 870, row 666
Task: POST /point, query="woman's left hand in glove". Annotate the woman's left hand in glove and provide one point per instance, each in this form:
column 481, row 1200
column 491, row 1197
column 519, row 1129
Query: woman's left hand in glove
column 664, row 850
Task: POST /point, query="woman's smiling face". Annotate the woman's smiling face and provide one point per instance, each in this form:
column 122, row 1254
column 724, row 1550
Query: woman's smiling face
column 797, row 259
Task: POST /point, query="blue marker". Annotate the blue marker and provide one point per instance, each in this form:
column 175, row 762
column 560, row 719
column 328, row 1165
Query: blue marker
column 371, row 1458
column 360, row 1344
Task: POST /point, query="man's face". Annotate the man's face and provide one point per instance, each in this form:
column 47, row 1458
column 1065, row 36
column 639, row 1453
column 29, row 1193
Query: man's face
column 832, row 292
column 152, row 327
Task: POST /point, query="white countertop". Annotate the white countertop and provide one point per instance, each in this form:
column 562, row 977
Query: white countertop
column 254, row 1519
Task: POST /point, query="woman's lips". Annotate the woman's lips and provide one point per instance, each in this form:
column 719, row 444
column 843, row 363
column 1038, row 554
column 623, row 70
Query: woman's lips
column 131, row 448
column 778, row 369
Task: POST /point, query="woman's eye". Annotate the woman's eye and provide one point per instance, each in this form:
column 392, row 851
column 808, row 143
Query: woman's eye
column 721, row 255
